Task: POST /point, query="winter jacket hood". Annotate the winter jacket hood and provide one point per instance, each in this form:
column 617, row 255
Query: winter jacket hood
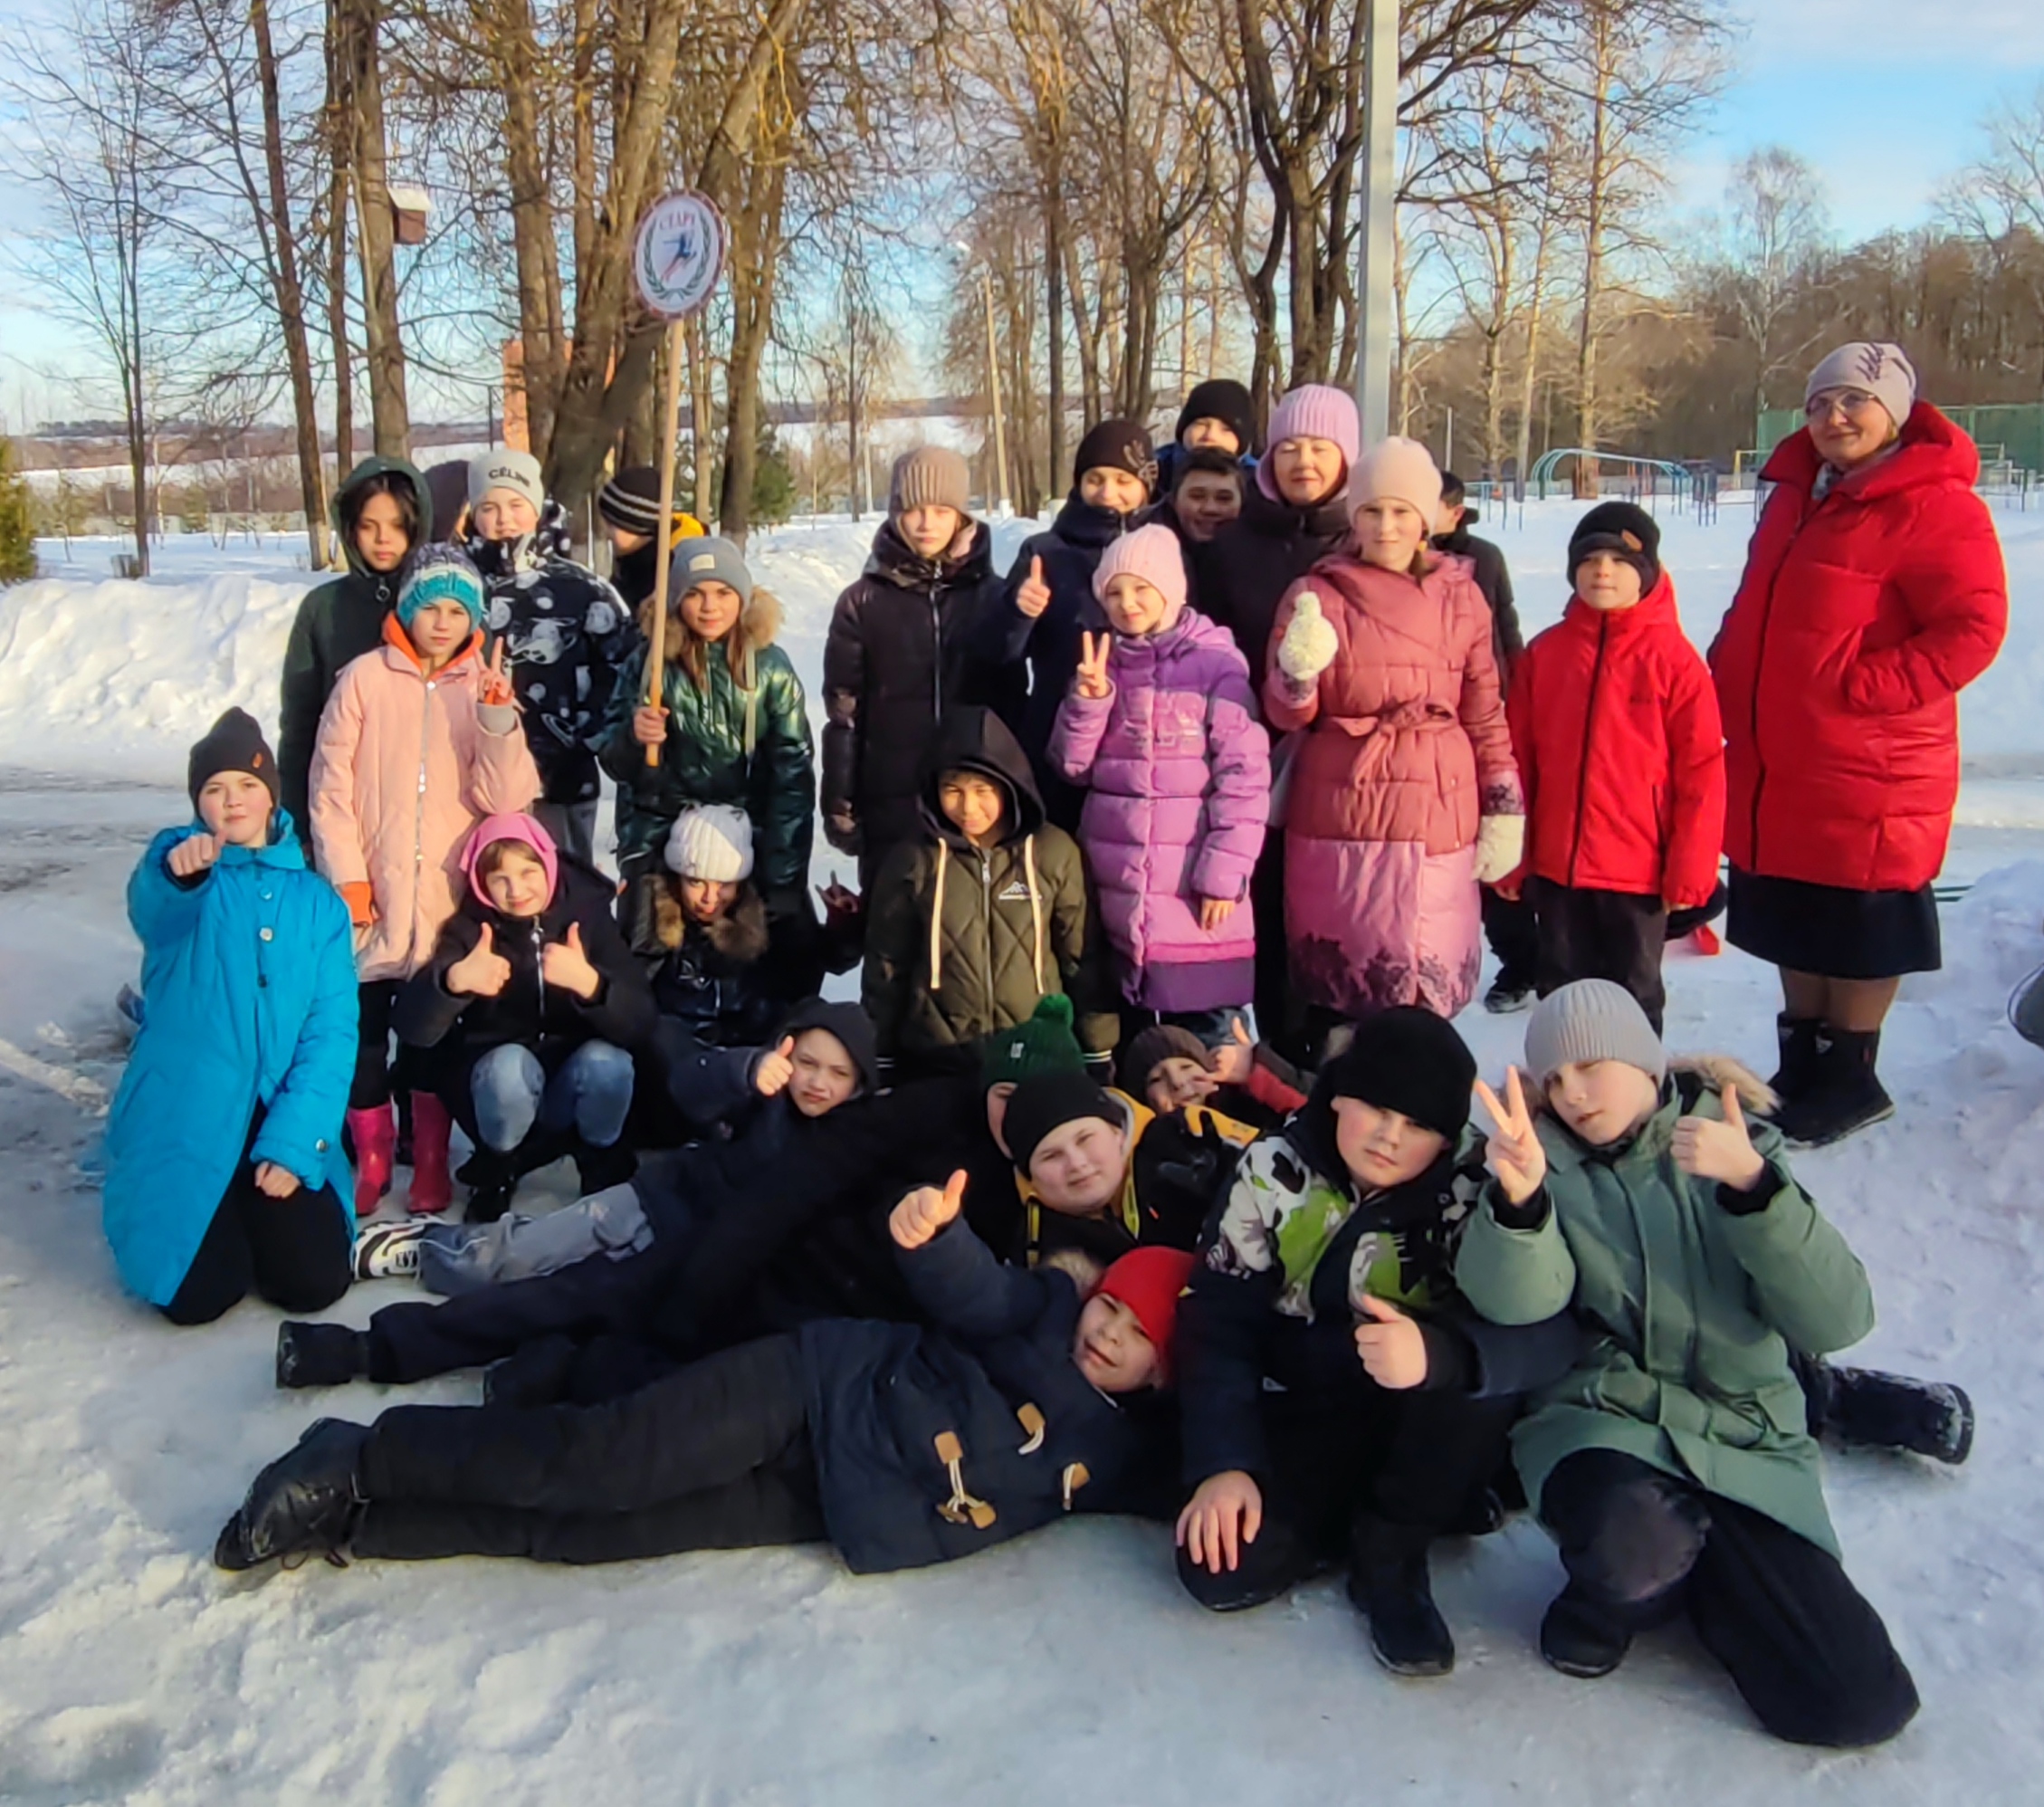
column 1859, row 618
column 250, row 974
column 1614, row 731
column 968, row 559
column 974, row 739
column 512, row 825
column 364, row 472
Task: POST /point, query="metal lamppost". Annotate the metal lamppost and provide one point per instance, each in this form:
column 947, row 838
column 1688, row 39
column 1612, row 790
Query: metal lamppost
column 1379, row 192
column 993, row 377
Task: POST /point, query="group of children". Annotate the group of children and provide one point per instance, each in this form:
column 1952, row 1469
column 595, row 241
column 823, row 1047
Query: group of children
column 908, row 1273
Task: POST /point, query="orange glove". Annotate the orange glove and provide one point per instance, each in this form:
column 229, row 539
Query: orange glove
column 361, row 902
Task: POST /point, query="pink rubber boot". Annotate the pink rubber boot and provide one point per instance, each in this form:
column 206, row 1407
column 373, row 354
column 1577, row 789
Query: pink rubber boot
column 374, row 1134
column 432, row 1191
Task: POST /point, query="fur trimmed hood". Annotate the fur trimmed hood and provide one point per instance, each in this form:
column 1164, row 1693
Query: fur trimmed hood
column 1719, row 1070
column 739, row 934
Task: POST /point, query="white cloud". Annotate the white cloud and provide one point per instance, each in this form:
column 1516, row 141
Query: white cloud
column 1998, row 37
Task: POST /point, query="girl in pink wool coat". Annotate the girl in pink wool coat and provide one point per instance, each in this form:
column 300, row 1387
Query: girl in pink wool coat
column 1403, row 794
column 420, row 740
column 1160, row 722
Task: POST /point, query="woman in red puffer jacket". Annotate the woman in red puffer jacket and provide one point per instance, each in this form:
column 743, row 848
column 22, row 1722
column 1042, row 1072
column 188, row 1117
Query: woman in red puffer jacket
column 1874, row 592
column 1615, row 730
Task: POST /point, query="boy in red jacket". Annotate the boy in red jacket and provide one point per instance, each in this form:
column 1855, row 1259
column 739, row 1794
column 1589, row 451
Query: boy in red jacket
column 1615, row 729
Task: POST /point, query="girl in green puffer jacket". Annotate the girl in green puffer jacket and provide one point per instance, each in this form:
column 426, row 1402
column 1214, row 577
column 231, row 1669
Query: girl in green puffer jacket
column 1675, row 1466
column 732, row 726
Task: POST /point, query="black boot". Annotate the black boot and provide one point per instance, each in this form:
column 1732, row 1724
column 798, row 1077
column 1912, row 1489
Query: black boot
column 1891, row 1411
column 492, row 1176
column 1510, row 993
column 303, row 1502
column 321, row 1354
column 596, row 1170
column 1581, row 1640
column 1846, row 1095
column 1797, row 1070
column 1389, row 1581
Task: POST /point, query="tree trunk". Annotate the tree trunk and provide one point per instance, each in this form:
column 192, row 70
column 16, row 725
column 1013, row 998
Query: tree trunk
column 755, row 254
column 1586, row 471
column 1054, row 308
column 1529, row 393
column 532, row 225
column 702, row 421
column 389, row 413
column 291, row 293
column 340, row 151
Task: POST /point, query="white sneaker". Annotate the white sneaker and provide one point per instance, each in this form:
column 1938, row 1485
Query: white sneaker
column 389, row 1251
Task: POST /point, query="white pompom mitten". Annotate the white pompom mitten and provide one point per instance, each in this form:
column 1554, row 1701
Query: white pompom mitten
column 1501, row 845
column 1308, row 644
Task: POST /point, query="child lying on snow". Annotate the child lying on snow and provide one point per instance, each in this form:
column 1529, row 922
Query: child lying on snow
column 902, row 1446
column 1674, row 1465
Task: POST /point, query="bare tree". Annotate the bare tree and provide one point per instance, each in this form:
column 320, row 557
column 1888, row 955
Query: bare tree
column 1778, row 230
column 91, row 152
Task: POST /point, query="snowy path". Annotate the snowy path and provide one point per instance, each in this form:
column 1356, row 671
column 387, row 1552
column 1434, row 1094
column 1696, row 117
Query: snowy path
column 1069, row 1663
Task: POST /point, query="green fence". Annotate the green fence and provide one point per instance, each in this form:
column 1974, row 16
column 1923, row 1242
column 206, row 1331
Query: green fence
column 2010, row 430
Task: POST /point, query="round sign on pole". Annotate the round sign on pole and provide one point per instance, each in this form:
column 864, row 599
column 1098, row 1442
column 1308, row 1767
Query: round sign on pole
column 680, row 254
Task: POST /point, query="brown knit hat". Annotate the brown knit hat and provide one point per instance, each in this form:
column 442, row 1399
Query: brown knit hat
column 930, row 476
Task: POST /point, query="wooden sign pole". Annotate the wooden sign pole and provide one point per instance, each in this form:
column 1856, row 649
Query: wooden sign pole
column 656, row 650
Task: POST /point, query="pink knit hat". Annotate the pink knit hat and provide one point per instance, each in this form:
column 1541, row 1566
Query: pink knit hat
column 1397, row 470
column 1312, row 411
column 512, row 825
column 1150, row 553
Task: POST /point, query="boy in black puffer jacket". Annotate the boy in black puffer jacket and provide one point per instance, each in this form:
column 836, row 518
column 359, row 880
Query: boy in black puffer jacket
column 1032, row 634
column 1329, row 1270
column 900, row 653
column 530, row 1015
column 904, row 1447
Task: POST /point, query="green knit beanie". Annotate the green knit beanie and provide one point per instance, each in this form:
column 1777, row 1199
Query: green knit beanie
column 1045, row 1044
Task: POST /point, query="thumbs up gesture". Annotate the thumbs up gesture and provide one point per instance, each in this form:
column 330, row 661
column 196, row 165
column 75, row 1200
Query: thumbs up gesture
column 776, row 1068
column 1034, row 597
column 1234, row 1058
column 1308, row 644
column 1092, row 680
column 1719, row 1151
column 482, row 971
column 1393, row 1350
column 925, row 1211
column 563, row 964
column 193, row 855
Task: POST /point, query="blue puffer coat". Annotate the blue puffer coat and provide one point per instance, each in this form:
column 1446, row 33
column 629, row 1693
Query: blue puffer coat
column 249, row 978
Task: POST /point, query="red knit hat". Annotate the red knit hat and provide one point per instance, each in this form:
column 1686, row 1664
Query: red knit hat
column 1150, row 1281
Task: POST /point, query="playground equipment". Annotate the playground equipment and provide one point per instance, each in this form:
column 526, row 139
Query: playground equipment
column 1692, row 485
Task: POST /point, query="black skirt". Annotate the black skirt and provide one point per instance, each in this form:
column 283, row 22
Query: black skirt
column 1830, row 932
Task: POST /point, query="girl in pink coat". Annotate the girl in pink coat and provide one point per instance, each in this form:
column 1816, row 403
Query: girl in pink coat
column 1161, row 725
column 1402, row 794
column 420, row 740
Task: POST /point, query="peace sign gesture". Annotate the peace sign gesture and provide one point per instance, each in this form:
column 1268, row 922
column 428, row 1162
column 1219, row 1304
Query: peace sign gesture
column 1512, row 1153
column 496, row 680
column 1092, row 665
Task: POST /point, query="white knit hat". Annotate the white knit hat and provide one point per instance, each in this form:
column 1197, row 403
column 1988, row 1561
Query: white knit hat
column 711, row 840
column 1397, row 470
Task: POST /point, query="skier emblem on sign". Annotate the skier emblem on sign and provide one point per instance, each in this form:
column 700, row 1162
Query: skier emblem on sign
column 680, row 254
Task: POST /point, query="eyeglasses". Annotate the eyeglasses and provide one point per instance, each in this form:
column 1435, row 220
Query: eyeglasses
column 1854, row 402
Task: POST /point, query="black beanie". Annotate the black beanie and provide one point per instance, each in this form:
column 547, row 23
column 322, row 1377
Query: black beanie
column 1623, row 527
column 1118, row 446
column 1222, row 399
column 851, row 1026
column 1410, row 1061
column 234, row 744
column 631, row 499
column 1041, row 1105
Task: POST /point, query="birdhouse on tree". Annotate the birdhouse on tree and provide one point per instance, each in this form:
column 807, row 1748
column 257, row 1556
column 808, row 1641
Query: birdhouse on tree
column 410, row 206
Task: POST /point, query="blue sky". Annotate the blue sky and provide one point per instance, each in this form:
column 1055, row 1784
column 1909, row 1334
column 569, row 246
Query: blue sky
column 1883, row 98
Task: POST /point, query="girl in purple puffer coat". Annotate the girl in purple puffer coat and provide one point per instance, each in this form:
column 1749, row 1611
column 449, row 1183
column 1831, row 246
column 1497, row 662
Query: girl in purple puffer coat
column 1160, row 722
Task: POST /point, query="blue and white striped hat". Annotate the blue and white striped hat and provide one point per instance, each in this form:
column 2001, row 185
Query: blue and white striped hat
column 440, row 572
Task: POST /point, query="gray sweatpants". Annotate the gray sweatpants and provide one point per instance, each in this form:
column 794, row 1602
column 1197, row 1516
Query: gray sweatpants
column 460, row 1257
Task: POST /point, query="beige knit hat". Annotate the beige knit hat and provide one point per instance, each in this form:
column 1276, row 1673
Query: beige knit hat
column 930, row 476
column 1884, row 371
column 1397, row 470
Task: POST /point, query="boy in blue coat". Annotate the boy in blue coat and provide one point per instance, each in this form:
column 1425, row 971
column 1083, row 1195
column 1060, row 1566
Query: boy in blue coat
column 903, row 1445
column 225, row 1141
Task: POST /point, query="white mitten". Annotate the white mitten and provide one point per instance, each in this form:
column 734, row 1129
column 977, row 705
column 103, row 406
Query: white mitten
column 1308, row 644
column 1501, row 845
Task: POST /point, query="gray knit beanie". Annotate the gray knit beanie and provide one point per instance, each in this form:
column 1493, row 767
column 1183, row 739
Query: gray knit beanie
column 930, row 476
column 710, row 558
column 1591, row 1020
column 1883, row 370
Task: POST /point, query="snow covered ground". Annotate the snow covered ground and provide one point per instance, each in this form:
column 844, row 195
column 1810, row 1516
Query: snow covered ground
column 1068, row 1663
